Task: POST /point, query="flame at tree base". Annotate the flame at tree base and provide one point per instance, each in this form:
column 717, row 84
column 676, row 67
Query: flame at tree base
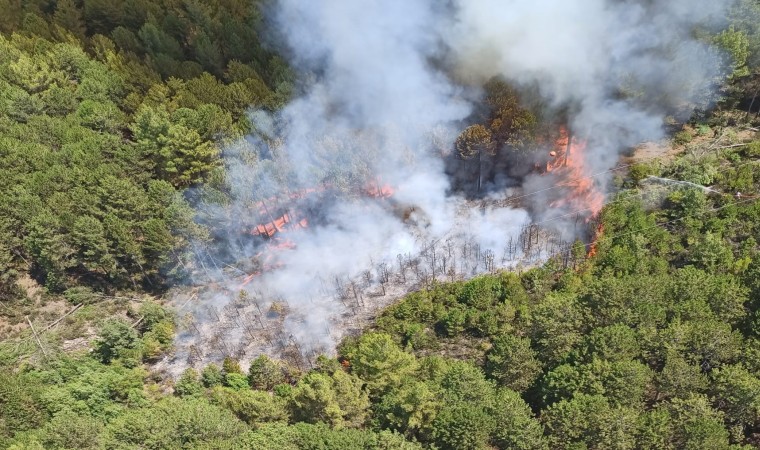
column 592, row 251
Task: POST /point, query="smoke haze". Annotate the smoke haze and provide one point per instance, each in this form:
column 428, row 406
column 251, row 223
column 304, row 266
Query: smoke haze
column 386, row 87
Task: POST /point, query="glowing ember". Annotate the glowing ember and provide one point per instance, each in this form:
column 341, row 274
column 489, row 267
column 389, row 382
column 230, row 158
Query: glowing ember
column 568, row 163
column 264, row 269
column 267, row 258
column 282, row 244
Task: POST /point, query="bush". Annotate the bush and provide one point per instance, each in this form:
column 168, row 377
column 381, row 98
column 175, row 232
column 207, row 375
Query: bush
column 189, row 384
column 212, row 376
column 80, row 294
column 264, row 374
column 153, row 314
column 252, row 407
column 172, row 424
column 116, row 339
column 74, row 431
column 461, row 427
column 236, row 381
column 513, row 363
column 683, row 137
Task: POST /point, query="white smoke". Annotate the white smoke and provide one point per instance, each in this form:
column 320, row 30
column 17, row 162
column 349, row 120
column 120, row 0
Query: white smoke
column 379, row 101
column 621, row 64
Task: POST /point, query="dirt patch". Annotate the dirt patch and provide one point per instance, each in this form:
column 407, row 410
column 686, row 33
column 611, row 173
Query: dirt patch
column 31, row 288
column 650, row 151
column 78, row 344
column 666, row 150
column 10, row 329
column 37, row 306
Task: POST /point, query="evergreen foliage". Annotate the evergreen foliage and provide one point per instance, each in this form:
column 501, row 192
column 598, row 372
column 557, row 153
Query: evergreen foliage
column 111, row 112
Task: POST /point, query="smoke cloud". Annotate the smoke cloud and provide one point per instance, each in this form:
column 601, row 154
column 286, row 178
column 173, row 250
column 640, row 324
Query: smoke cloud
column 619, row 66
column 386, row 86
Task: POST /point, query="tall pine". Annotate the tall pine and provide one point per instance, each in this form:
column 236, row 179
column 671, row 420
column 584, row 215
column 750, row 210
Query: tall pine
column 68, row 16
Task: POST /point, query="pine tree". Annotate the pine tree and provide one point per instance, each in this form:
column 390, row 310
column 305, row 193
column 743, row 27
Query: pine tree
column 69, row 17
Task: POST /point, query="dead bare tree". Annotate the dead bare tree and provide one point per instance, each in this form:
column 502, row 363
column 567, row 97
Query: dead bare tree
column 339, row 288
column 251, row 317
column 267, row 335
column 384, row 274
column 415, row 263
column 213, row 313
column 256, row 301
column 488, row 259
column 509, row 250
column 340, row 292
column 299, row 354
column 61, row 318
column 445, row 256
column 231, row 314
column 250, row 331
column 194, row 325
column 37, row 338
column 218, row 342
column 401, row 268
column 357, row 295
column 432, row 258
column 194, row 355
column 240, row 349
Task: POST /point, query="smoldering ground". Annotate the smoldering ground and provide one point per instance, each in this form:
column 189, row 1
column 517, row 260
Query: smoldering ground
column 384, row 89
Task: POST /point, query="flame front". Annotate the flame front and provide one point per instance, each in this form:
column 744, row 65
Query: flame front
column 568, row 163
column 275, row 224
column 595, row 240
column 376, row 189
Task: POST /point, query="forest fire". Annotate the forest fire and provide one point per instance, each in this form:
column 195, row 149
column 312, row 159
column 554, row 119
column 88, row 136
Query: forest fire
column 376, row 189
column 292, row 220
column 278, row 221
column 595, row 240
column 266, row 258
column 569, row 165
column 278, row 224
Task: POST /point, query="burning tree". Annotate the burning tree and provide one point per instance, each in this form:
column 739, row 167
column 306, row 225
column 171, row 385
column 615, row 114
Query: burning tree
column 569, row 164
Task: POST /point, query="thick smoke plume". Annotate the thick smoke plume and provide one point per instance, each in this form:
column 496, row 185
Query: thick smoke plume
column 386, row 86
column 619, row 66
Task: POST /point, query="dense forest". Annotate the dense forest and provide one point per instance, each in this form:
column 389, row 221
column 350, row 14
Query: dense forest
column 109, row 111
column 113, row 113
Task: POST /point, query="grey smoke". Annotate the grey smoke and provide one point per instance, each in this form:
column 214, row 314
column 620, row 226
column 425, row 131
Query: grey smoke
column 620, row 66
column 387, row 87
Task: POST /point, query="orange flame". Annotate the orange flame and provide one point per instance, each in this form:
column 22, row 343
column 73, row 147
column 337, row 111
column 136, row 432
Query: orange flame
column 595, row 240
column 271, row 228
column 569, row 164
column 376, row 189
column 267, row 258
column 373, row 189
